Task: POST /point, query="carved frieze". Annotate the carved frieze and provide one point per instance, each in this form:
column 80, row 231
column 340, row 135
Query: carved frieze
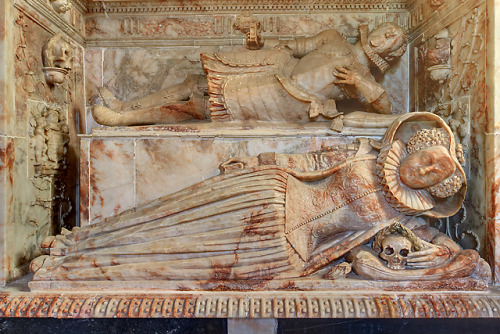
column 255, row 6
column 171, row 29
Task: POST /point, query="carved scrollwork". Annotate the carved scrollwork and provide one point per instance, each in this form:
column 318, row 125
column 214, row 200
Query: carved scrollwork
column 49, row 138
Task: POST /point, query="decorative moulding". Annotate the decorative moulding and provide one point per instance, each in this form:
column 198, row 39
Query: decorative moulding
column 60, row 6
column 289, row 304
column 80, row 5
column 438, row 19
column 255, row 6
column 45, row 10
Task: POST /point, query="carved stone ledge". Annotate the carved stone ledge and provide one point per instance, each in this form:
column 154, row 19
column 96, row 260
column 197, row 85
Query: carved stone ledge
column 254, row 6
column 236, row 129
column 80, row 5
column 345, row 304
column 221, row 129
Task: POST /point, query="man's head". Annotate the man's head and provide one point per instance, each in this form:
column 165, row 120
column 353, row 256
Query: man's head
column 388, row 41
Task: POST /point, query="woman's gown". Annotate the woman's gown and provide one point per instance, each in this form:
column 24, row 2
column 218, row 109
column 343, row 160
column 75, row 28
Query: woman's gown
column 243, row 225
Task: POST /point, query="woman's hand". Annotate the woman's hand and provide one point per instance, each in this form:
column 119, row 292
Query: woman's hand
column 238, row 163
column 431, row 256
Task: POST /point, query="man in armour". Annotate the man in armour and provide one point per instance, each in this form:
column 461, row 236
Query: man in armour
column 296, row 81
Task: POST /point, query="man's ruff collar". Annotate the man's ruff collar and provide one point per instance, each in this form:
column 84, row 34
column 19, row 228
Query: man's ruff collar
column 381, row 63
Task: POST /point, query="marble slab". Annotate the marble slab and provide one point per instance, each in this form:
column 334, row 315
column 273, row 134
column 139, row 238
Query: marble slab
column 16, row 302
column 142, row 168
column 6, row 198
column 111, row 172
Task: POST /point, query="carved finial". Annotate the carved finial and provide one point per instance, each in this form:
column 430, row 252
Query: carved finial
column 248, row 24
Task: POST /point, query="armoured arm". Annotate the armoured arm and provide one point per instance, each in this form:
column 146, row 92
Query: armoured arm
column 382, row 105
column 373, row 93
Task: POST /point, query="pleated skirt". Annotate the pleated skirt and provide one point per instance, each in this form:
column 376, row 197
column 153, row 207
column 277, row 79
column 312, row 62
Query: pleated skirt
column 230, row 227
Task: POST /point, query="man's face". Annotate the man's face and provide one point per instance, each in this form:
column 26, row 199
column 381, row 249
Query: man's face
column 62, row 55
column 386, row 39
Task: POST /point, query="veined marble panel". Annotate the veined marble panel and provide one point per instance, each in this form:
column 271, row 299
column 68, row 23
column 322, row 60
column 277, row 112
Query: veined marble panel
column 27, row 217
column 164, row 166
column 84, row 182
column 111, row 177
column 493, row 247
column 6, row 196
column 396, row 83
column 93, row 79
column 492, row 192
column 6, row 67
column 123, row 173
column 135, row 72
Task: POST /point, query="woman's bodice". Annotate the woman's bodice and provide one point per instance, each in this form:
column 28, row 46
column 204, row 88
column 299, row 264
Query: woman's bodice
column 348, row 201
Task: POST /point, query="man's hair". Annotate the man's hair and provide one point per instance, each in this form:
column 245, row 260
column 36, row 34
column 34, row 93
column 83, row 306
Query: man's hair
column 402, row 48
column 382, row 62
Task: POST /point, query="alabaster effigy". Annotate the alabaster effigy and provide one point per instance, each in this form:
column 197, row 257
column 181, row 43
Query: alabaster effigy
column 245, row 159
column 280, row 218
column 304, row 76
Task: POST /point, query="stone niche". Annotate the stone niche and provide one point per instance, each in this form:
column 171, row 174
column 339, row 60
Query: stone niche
column 59, row 168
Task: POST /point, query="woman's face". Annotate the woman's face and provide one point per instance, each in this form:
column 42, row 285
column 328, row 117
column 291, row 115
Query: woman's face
column 426, row 167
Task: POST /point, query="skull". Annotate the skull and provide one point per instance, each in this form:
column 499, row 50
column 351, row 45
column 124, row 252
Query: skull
column 395, row 249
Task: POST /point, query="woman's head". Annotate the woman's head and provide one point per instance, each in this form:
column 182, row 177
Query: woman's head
column 430, row 164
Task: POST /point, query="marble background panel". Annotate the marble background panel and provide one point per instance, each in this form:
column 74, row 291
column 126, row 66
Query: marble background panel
column 6, row 196
column 307, row 25
column 396, row 83
column 493, row 247
column 166, row 165
column 135, row 72
column 93, row 59
column 84, row 181
column 29, row 218
column 493, row 167
column 111, row 177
